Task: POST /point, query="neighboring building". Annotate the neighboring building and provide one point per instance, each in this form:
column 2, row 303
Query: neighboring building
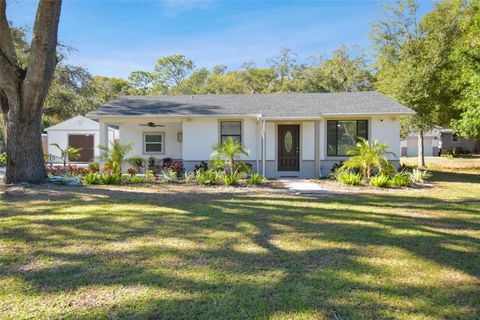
column 431, row 144
column 78, row 132
column 300, row 134
column 434, row 141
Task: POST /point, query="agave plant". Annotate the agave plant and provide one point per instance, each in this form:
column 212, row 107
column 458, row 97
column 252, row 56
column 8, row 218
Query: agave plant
column 368, row 156
column 115, row 155
column 229, row 150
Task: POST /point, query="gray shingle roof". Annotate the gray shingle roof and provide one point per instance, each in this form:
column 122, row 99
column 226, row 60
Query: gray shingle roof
column 267, row 105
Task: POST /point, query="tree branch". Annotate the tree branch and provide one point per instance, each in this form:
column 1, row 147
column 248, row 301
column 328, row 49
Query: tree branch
column 42, row 59
column 8, row 58
column 7, row 46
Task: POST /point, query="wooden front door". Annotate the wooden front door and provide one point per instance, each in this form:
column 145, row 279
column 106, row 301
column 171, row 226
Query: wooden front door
column 288, row 147
column 83, row 142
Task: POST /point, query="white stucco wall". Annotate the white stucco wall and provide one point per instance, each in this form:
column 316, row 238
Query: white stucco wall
column 77, row 125
column 200, row 134
column 308, row 140
column 271, row 139
column 386, row 129
column 133, row 133
column 60, row 137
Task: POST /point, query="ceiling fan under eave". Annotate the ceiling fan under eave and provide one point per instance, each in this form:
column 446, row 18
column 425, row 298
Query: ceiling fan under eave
column 151, row 125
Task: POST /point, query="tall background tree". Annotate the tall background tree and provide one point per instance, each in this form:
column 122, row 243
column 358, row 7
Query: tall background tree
column 414, row 65
column 23, row 89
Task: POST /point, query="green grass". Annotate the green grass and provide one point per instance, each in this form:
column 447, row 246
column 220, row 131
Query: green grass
column 169, row 252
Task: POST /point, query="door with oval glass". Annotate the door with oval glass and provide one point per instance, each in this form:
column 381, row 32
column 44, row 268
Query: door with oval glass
column 288, row 147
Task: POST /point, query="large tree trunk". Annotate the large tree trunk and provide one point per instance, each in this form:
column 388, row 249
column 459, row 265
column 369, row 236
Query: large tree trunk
column 421, row 154
column 23, row 91
column 24, row 148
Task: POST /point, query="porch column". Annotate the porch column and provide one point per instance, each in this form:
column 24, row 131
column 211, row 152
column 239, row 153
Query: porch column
column 103, row 139
column 317, row 149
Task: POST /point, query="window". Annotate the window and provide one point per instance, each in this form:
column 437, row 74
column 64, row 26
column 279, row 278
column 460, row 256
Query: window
column 231, row 129
column 455, row 137
column 153, row 142
column 343, row 135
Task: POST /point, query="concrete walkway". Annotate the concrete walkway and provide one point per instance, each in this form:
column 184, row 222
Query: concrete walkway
column 303, row 186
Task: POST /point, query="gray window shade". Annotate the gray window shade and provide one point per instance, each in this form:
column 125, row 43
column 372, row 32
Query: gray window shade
column 231, row 129
column 153, row 142
column 332, row 138
column 343, row 135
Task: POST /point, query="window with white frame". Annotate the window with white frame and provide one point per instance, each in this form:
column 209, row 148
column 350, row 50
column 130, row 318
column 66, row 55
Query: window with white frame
column 153, row 142
column 231, row 129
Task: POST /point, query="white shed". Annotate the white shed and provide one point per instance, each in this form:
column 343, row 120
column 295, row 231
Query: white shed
column 78, row 132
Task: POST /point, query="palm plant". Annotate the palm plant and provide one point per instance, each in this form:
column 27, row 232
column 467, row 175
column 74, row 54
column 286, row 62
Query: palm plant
column 368, row 156
column 229, row 150
column 67, row 154
column 115, row 155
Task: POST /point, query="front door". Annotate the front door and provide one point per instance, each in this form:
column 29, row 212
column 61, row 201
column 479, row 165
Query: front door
column 288, row 147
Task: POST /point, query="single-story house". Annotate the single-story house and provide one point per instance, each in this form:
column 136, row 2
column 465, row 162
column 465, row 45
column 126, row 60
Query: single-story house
column 434, row 141
column 300, row 134
column 77, row 132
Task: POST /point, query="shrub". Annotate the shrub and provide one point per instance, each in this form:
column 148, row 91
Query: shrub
column 170, row 175
column 203, row 166
column 94, row 167
column 419, row 176
column 151, row 162
column 106, row 167
column 54, row 171
column 348, row 177
column 255, row 178
column 243, row 167
column 149, row 176
column 218, row 164
column 380, row 181
column 336, row 166
column 367, row 156
column 400, row 179
column 189, row 177
column 92, row 178
column 230, row 150
column 175, row 165
column 231, row 179
column 209, row 177
column 134, row 179
column 132, row 171
column 3, row 159
column 115, row 155
column 137, row 162
column 111, row 178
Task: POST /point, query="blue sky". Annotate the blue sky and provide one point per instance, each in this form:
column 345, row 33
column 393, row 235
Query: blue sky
column 114, row 38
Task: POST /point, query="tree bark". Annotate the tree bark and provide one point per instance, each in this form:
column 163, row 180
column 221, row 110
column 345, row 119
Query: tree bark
column 421, row 155
column 23, row 92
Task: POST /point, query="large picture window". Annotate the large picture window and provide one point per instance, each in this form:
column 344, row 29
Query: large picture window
column 231, row 129
column 342, row 135
column 153, row 142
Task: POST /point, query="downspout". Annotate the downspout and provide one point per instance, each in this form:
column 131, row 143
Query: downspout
column 259, row 143
column 264, row 149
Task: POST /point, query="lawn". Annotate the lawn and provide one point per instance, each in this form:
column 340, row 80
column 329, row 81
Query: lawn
column 169, row 252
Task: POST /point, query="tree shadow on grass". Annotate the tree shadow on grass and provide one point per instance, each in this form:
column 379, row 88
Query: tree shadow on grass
column 228, row 255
